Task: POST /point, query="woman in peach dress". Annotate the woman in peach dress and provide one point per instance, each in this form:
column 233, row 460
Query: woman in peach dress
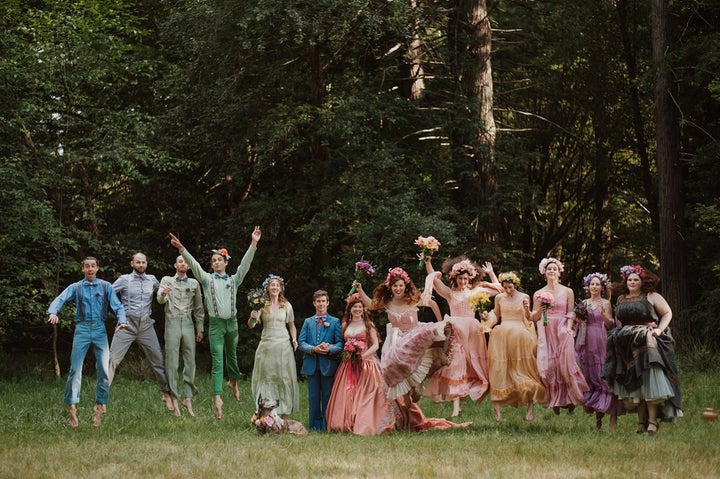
column 467, row 373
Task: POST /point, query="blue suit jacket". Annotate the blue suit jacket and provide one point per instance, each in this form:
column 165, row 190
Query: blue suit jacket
column 311, row 335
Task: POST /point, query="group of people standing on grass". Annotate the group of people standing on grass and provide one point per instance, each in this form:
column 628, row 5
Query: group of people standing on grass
column 523, row 352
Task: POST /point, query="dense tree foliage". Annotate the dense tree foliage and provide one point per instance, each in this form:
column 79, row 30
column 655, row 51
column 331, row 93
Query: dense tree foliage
column 345, row 129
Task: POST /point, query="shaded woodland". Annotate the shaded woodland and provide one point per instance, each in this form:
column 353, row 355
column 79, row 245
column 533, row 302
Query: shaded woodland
column 510, row 130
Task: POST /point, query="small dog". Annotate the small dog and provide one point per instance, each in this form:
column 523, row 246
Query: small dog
column 267, row 421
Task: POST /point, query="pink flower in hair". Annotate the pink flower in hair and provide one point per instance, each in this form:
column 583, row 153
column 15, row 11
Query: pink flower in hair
column 546, row 261
column 464, row 266
column 397, row 273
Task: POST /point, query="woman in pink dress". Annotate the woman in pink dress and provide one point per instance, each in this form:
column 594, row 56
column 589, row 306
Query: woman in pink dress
column 358, row 402
column 590, row 345
column 467, row 373
column 557, row 362
column 412, row 349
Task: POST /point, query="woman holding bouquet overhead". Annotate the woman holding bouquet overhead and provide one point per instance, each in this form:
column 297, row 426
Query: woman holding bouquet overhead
column 595, row 318
column 410, row 350
column 553, row 312
column 640, row 365
column 275, row 373
column 467, row 373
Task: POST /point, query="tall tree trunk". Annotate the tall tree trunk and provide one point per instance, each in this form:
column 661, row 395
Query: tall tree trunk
column 670, row 173
column 472, row 37
column 416, row 72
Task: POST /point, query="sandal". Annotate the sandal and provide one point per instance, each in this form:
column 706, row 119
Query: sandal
column 655, row 426
column 642, row 428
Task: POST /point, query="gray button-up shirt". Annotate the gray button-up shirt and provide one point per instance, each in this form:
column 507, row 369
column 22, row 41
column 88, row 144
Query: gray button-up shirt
column 136, row 293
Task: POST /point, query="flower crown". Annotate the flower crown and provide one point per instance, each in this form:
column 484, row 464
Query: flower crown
column 464, row 266
column 510, row 277
column 222, row 252
column 397, row 273
column 353, row 298
column 546, row 261
column 629, row 269
column 602, row 277
column 272, row 277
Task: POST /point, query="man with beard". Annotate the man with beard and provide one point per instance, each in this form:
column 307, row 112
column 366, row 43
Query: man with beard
column 136, row 294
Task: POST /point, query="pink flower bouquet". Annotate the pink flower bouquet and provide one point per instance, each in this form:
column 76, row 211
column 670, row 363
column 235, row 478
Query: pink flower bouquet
column 428, row 245
column 363, row 271
column 547, row 301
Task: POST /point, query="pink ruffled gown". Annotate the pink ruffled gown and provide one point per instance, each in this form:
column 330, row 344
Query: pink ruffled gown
column 557, row 362
column 411, row 351
column 467, row 374
column 591, row 350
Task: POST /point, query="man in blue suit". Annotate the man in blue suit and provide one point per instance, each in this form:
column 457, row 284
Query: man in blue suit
column 320, row 340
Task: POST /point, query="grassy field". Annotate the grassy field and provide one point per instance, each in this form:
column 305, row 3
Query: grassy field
column 140, row 438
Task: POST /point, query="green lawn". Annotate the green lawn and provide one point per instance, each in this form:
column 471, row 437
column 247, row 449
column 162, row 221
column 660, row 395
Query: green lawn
column 140, row 438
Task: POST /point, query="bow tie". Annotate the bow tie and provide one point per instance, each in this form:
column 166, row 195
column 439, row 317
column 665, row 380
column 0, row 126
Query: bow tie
column 221, row 276
column 184, row 278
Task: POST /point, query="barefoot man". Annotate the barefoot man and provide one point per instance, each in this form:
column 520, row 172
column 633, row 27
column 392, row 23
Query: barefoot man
column 182, row 298
column 92, row 297
column 220, row 297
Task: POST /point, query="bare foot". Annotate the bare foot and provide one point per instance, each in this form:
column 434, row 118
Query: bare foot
column 73, row 419
column 530, row 416
column 456, row 408
column 613, row 423
column 218, row 407
column 187, row 404
column 232, row 384
column 497, row 414
column 176, row 408
column 98, row 412
column 168, row 401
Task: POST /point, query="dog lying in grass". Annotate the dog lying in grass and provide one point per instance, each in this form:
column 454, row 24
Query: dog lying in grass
column 267, row 421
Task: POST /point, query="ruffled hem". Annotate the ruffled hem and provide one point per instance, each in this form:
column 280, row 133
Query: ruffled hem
column 519, row 394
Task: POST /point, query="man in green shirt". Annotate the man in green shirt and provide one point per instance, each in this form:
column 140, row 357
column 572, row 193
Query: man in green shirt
column 183, row 302
column 220, row 297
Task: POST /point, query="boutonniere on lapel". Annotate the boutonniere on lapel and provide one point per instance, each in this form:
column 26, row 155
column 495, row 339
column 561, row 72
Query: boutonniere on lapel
column 326, row 324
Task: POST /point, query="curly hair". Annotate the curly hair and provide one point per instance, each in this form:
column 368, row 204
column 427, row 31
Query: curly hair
column 383, row 293
column 648, row 278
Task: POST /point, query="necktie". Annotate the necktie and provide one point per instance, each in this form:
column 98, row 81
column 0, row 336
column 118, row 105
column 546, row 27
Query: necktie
column 181, row 279
column 319, row 320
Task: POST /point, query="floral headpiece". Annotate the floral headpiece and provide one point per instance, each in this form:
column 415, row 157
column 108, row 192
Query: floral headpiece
column 546, row 261
column 509, row 278
column 222, row 252
column 396, row 273
column 272, row 277
column 629, row 269
column 354, row 298
column 464, row 266
column 602, row 277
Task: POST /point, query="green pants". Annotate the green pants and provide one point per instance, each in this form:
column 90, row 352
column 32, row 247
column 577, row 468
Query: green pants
column 223, row 339
column 180, row 341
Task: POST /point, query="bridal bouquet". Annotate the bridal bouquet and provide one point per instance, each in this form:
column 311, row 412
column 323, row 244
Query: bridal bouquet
column 547, row 301
column 581, row 311
column 428, row 246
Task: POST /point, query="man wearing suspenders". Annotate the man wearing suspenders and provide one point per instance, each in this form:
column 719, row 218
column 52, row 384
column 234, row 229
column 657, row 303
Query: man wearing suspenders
column 220, row 300
column 92, row 297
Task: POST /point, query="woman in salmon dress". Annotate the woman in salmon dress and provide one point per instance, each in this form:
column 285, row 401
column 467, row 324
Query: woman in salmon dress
column 590, row 345
column 512, row 351
column 557, row 362
column 467, row 373
column 358, row 402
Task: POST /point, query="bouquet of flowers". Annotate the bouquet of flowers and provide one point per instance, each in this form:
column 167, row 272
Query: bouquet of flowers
column 547, row 301
column 428, row 245
column 257, row 300
column 479, row 302
column 363, row 271
column 581, row 311
column 353, row 349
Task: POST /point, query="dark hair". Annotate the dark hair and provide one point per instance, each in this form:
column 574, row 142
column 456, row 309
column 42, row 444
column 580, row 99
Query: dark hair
column 383, row 293
column 319, row 294
column 649, row 283
column 90, row 258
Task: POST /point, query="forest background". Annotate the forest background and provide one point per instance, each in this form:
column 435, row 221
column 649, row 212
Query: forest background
column 510, row 130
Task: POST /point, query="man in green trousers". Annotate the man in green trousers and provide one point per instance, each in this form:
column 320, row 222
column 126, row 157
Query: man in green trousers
column 182, row 298
column 220, row 300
